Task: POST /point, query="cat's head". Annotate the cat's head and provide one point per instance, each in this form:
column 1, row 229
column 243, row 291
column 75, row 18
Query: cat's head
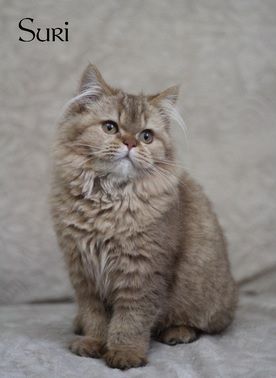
column 118, row 135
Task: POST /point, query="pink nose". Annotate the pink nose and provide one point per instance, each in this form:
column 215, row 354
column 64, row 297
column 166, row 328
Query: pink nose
column 130, row 142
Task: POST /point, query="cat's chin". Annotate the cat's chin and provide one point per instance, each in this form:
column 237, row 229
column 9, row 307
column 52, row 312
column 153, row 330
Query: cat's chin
column 124, row 169
column 121, row 170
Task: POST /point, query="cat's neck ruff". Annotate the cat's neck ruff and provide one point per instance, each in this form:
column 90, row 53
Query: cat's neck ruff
column 117, row 188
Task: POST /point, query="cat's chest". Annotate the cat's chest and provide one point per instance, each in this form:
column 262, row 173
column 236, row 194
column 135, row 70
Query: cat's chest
column 105, row 217
column 106, row 230
column 98, row 265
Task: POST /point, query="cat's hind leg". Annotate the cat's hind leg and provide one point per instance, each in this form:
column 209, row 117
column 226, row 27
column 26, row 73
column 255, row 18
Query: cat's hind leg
column 180, row 334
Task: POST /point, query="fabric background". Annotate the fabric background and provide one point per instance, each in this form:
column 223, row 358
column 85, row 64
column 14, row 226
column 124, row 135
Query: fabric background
column 222, row 52
column 34, row 343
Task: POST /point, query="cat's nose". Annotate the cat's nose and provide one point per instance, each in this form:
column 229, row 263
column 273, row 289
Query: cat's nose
column 130, row 142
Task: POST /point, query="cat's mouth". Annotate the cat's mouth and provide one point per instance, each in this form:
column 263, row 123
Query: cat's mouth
column 126, row 160
column 126, row 164
column 125, row 157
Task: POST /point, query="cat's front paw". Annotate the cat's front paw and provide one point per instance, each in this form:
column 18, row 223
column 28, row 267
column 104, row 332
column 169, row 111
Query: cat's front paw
column 86, row 346
column 124, row 359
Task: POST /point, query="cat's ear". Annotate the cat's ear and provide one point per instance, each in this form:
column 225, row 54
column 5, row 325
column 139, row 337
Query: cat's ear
column 93, row 83
column 166, row 98
column 166, row 103
column 91, row 89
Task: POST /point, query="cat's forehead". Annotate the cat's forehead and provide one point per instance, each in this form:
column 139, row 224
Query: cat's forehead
column 133, row 112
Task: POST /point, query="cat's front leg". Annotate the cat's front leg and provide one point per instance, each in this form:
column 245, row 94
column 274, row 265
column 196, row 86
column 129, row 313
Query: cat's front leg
column 92, row 319
column 94, row 323
column 129, row 332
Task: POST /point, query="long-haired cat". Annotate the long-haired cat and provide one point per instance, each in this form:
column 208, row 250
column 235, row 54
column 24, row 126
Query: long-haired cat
column 145, row 252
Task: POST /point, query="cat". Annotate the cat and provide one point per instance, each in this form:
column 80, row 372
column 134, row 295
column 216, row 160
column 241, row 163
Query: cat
column 144, row 249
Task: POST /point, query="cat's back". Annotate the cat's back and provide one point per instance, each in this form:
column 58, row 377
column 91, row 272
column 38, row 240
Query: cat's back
column 196, row 208
column 199, row 224
column 203, row 260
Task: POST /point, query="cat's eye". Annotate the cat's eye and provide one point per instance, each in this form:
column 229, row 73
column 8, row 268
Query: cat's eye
column 110, row 127
column 146, row 136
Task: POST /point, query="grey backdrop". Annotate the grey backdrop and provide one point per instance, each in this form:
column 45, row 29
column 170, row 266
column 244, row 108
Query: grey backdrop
column 222, row 52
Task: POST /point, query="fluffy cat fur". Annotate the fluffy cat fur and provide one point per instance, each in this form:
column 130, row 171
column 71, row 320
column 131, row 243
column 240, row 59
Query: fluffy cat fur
column 145, row 252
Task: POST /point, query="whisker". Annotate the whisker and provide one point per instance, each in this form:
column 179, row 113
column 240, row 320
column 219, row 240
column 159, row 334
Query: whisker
column 171, row 163
column 163, row 174
column 71, row 162
column 83, row 145
column 176, row 163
